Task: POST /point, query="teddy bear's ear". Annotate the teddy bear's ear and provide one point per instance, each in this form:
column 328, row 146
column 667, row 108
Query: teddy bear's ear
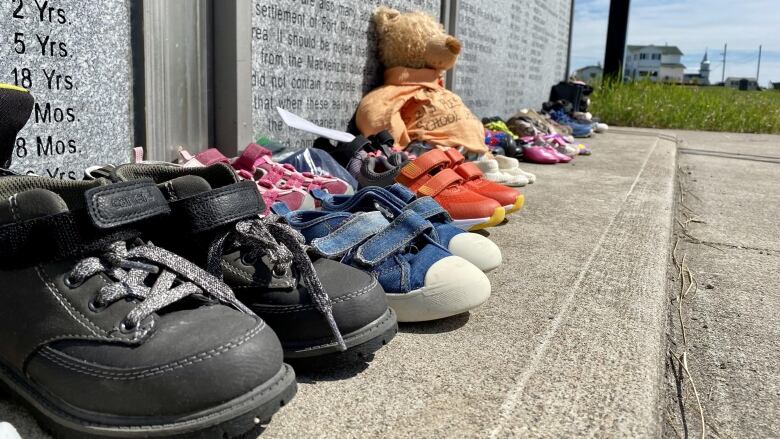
column 384, row 16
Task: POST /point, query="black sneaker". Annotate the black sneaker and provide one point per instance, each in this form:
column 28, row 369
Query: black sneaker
column 105, row 335
column 317, row 307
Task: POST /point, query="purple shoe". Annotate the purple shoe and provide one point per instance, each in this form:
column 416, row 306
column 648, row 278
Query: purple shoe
column 540, row 155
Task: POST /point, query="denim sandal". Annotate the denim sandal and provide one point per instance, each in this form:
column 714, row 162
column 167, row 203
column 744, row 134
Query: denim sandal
column 422, row 280
column 393, row 200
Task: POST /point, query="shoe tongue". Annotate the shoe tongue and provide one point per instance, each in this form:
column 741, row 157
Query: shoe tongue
column 34, row 203
column 184, row 187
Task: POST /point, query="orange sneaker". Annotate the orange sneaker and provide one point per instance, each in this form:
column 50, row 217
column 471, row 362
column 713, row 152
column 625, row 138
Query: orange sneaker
column 511, row 199
column 429, row 175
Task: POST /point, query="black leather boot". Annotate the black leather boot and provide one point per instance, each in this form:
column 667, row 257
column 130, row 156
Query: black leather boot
column 317, row 307
column 107, row 335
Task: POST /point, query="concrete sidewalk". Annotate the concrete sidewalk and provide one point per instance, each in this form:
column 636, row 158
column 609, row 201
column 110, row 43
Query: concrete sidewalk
column 571, row 343
column 730, row 207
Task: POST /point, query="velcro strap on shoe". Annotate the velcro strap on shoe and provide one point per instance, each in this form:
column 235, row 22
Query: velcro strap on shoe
column 124, row 203
column 55, row 237
column 350, row 234
column 383, row 141
column 321, row 195
column 211, row 156
column 219, row 207
column 401, row 192
column 248, row 159
column 384, row 138
column 469, row 171
column 428, row 208
column 455, row 156
column 424, row 164
column 404, row 229
column 359, row 143
column 442, row 180
column 280, row 209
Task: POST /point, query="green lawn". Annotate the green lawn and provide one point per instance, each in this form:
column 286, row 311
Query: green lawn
column 651, row 105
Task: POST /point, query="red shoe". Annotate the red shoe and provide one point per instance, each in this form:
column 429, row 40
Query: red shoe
column 429, row 175
column 511, row 199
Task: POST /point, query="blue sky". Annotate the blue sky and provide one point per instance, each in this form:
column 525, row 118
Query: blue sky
column 693, row 26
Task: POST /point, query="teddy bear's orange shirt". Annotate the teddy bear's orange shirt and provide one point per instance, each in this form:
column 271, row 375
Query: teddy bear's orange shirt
column 414, row 105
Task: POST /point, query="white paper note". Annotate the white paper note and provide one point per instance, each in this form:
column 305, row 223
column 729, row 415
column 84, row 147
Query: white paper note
column 295, row 121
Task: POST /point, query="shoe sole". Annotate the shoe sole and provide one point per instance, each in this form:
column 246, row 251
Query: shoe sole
column 245, row 415
column 473, row 224
column 360, row 343
column 518, row 204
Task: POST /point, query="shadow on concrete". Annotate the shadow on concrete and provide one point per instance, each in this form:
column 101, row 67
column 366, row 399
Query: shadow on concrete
column 436, row 326
column 482, row 232
column 329, row 369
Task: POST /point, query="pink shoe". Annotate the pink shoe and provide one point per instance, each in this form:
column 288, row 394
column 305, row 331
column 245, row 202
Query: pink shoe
column 540, row 155
column 562, row 158
column 294, row 198
column 256, row 159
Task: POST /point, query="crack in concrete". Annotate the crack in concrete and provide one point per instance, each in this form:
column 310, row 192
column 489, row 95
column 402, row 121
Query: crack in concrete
column 730, row 156
column 694, row 240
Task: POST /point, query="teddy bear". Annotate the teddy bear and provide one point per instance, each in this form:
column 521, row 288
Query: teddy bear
column 413, row 104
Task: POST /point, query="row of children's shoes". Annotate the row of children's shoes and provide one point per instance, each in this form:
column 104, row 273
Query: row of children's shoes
column 163, row 299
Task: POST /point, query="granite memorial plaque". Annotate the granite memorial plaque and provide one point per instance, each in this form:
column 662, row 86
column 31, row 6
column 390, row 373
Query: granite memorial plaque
column 75, row 57
column 513, row 51
column 315, row 58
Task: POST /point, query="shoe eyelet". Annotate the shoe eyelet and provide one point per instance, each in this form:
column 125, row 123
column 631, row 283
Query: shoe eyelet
column 246, row 259
column 126, row 327
column 95, row 307
column 71, row 283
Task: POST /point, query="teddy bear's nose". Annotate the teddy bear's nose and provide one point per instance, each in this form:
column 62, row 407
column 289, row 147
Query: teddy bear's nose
column 453, row 45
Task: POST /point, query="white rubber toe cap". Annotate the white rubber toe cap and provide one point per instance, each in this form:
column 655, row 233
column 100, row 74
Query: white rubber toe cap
column 477, row 249
column 515, row 180
column 452, row 286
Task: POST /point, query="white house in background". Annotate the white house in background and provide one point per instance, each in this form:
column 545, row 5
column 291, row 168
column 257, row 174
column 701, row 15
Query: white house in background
column 741, row 83
column 657, row 63
column 589, row 73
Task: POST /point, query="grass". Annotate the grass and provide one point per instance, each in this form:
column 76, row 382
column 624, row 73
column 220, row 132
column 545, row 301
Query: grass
column 653, row 105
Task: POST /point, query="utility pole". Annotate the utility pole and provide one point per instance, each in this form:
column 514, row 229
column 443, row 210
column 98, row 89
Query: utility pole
column 617, row 29
column 723, row 75
column 758, row 68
